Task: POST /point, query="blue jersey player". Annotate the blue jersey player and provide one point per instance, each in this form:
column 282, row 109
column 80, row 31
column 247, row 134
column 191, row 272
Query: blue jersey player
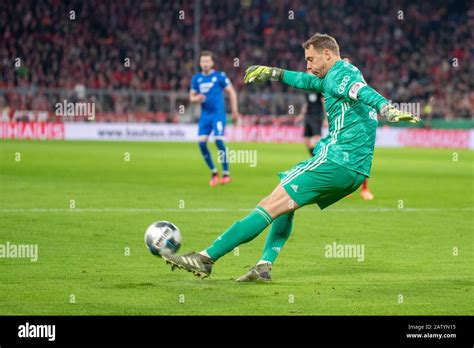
column 207, row 88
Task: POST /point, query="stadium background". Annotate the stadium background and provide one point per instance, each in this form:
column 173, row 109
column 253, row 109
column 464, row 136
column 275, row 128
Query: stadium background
column 135, row 60
column 86, row 204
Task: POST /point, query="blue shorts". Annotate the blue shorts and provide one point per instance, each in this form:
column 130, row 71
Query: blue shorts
column 208, row 124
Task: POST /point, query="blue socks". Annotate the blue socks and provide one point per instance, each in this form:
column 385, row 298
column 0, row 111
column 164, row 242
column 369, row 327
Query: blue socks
column 207, row 155
column 223, row 154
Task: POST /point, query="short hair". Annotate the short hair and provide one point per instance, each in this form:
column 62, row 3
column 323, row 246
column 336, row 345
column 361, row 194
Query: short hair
column 321, row 41
column 207, row 54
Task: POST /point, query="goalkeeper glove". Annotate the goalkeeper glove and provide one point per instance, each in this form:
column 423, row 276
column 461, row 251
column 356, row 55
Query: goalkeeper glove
column 394, row 115
column 260, row 73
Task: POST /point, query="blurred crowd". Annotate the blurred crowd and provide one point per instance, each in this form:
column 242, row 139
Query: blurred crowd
column 410, row 52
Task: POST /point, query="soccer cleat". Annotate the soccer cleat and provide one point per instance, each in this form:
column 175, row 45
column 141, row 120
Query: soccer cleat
column 366, row 195
column 258, row 273
column 214, row 180
column 200, row 265
column 225, row 179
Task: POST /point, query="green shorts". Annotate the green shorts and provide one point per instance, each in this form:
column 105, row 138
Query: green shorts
column 323, row 183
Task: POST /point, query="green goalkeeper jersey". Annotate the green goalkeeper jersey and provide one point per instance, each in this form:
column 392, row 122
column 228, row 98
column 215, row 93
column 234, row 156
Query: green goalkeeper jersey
column 351, row 107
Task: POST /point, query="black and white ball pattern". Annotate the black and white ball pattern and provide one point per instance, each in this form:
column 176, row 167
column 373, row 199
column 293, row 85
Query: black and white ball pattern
column 163, row 237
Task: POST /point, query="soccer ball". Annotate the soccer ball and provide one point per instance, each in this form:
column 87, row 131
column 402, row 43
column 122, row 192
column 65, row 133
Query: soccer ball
column 162, row 238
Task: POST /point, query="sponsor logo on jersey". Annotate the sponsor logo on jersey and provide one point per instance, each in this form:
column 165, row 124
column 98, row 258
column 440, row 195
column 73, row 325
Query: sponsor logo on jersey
column 343, row 84
column 205, row 87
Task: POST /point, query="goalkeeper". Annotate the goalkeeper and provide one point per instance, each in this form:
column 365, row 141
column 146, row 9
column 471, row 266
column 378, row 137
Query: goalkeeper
column 340, row 163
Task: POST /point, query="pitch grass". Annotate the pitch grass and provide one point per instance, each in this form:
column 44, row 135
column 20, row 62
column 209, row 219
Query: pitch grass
column 82, row 251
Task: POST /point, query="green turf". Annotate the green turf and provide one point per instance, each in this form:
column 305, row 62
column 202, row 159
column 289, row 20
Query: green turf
column 408, row 251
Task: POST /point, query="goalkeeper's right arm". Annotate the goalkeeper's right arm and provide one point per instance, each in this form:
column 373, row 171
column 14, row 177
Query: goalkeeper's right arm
column 300, row 80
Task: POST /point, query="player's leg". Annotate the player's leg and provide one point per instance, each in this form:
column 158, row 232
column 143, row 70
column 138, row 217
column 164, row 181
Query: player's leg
column 276, row 238
column 242, row 231
column 307, row 134
column 205, row 128
column 315, row 133
column 246, row 229
column 365, row 192
column 312, row 181
column 282, row 226
column 287, row 197
column 313, row 141
column 312, row 134
column 309, row 146
column 279, row 233
column 219, row 130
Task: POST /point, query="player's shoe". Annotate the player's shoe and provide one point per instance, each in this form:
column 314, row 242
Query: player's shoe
column 366, row 195
column 200, row 265
column 225, row 179
column 258, row 273
column 214, row 180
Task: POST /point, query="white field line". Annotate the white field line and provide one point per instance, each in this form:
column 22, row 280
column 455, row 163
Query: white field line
column 218, row 210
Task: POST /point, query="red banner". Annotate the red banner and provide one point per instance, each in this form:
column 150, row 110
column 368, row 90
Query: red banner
column 447, row 138
column 32, row 130
column 265, row 134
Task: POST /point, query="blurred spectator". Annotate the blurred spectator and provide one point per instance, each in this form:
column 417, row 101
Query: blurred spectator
column 408, row 51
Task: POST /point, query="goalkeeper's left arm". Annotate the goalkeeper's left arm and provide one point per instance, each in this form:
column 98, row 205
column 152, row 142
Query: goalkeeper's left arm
column 364, row 93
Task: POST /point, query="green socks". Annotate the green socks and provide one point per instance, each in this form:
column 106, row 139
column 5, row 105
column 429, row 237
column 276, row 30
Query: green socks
column 251, row 226
column 278, row 235
column 240, row 232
